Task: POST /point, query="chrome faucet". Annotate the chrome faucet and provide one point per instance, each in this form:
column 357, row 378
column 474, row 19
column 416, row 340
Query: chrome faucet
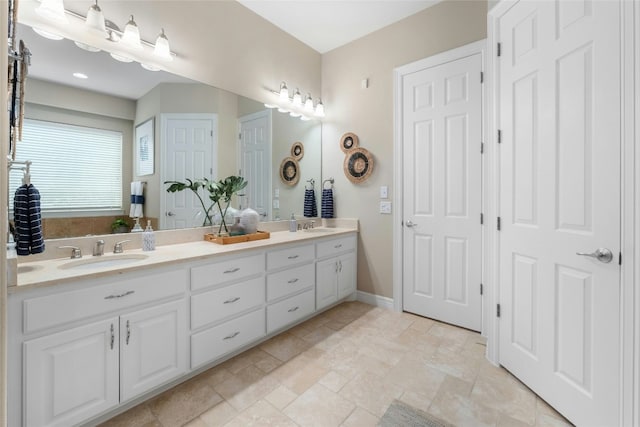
column 98, row 248
column 75, row 251
column 117, row 248
column 308, row 225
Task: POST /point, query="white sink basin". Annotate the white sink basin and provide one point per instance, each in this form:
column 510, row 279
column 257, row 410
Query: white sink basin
column 319, row 230
column 103, row 261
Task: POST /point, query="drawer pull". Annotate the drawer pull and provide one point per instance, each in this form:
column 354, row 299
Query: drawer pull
column 233, row 335
column 291, row 310
column 293, row 256
column 338, row 246
column 113, row 336
column 232, row 300
column 128, row 332
column 292, row 281
column 120, row 296
column 233, row 270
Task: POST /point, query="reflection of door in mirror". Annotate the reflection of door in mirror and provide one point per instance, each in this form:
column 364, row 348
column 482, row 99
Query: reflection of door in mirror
column 254, row 161
column 189, row 147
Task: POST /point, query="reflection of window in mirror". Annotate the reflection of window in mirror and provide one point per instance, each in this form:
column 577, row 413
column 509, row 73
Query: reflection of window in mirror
column 76, row 169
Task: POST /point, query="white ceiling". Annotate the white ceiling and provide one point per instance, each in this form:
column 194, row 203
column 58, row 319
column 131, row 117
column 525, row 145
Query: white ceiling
column 327, row 24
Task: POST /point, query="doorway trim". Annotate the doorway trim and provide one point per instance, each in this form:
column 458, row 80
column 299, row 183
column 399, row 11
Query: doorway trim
column 630, row 199
column 398, row 214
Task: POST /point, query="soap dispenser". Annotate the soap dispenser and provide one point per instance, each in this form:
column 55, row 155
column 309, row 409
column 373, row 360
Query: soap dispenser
column 293, row 224
column 148, row 238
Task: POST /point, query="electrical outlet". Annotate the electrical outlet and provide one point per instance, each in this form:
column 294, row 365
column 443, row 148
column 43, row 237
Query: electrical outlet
column 276, row 193
column 384, row 192
column 385, row 208
column 276, row 203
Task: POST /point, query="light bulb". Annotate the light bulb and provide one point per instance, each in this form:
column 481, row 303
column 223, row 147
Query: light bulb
column 319, row 109
column 297, row 99
column 162, row 49
column 131, row 36
column 308, row 104
column 95, row 20
column 284, row 92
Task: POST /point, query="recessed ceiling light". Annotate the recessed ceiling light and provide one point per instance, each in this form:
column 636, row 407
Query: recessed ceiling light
column 80, row 75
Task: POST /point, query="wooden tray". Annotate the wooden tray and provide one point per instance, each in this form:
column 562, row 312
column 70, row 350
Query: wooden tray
column 226, row 240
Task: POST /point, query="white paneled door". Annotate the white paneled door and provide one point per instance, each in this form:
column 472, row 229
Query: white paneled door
column 189, row 150
column 254, row 161
column 559, row 121
column 442, row 191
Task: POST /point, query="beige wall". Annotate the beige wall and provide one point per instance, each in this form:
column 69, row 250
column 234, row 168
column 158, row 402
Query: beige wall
column 369, row 114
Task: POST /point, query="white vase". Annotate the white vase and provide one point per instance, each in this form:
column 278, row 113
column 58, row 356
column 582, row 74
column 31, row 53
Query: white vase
column 249, row 220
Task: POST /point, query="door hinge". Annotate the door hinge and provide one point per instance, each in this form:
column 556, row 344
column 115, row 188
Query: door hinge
column 499, row 136
column 481, row 77
column 499, row 49
column 620, row 258
column 481, row 219
column 240, row 136
column 498, row 310
column 211, row 133
column 481, row 289
column 499, row 224
column 482, row 148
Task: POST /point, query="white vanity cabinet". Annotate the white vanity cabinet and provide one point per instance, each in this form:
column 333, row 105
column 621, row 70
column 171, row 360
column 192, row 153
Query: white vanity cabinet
column 335, row 270
column 227, row 306
column 290, row 285
column 81, row 363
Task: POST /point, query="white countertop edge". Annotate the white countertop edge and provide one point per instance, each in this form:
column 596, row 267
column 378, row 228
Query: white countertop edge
column 49, row 273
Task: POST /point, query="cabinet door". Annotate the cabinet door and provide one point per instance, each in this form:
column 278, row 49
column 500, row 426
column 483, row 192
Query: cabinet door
column 326, row 283
column 72, row 375
column 153, row 345
column 346, row 275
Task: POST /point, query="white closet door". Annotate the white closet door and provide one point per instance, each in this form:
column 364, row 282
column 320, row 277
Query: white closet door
column 559, row 83
column 442, row 200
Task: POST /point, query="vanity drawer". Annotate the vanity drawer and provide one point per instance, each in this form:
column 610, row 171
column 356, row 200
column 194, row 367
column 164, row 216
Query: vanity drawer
column 213, row 343
column 56, row 309
column 288, row 311
column 290, row 256
column 226, row 271
column 334, row 246
column 290, row 281
column 219, row 303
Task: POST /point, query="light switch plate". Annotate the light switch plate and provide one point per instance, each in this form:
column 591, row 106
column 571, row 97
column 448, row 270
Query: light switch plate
column 384, row 192
column 385, row 207
column 276, row 203
column 276, row 193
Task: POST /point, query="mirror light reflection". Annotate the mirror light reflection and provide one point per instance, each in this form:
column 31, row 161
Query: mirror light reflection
column 199, row 131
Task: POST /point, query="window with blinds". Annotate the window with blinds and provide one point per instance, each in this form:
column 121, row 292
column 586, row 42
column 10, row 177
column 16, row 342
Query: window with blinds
column 75, row 168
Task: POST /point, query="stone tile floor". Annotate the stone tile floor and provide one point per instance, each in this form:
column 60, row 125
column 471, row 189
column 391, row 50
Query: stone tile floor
column 343, row 368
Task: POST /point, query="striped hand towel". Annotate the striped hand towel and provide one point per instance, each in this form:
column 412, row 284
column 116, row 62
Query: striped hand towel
column 310, row 205
column 27, row 221
column 327, row 203
column 137, row 200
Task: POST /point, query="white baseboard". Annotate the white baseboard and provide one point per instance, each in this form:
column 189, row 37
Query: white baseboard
column 375, row 300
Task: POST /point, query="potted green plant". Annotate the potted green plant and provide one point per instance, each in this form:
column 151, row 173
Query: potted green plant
column 119, row 225
column 220, row 193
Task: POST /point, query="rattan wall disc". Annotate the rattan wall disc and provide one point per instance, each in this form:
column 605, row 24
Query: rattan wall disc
column 297, row 150
column 348, row 142
column 358, row 165
column 289, row 171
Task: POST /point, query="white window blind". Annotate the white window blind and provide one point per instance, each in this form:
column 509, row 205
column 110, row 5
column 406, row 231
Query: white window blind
column 74, row 168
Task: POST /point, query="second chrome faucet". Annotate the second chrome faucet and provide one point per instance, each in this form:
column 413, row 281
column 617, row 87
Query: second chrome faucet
column 98, row 248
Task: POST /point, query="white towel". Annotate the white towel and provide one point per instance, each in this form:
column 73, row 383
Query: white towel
column 137, row 199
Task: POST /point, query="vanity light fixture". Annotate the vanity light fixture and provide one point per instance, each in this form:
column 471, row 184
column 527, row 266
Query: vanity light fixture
column 93, row 23
column 162, row 49
column 131, row 36
column 294, row 106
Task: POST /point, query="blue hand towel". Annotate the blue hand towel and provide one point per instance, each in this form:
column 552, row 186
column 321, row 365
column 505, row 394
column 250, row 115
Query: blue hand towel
column 137, row 199
column 310, row 206
column 327, row 203
column 27, row 220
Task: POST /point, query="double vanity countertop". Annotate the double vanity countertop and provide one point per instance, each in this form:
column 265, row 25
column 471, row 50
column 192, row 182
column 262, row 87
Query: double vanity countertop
column 50, row 272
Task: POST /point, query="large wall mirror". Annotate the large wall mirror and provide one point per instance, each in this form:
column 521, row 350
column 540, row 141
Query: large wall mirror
column 246, row 139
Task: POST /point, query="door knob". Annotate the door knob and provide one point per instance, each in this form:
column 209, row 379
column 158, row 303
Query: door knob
column 170, row 213
column 410, row 224
column 601, row 254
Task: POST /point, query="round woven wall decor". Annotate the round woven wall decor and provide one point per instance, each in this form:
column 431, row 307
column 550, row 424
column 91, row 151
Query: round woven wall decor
column 358, row 165
column 297, row 150
column 289, row 171
column 348, row 142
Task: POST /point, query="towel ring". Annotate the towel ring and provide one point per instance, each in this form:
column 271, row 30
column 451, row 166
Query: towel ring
column 312, row 182
column 327, row 180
